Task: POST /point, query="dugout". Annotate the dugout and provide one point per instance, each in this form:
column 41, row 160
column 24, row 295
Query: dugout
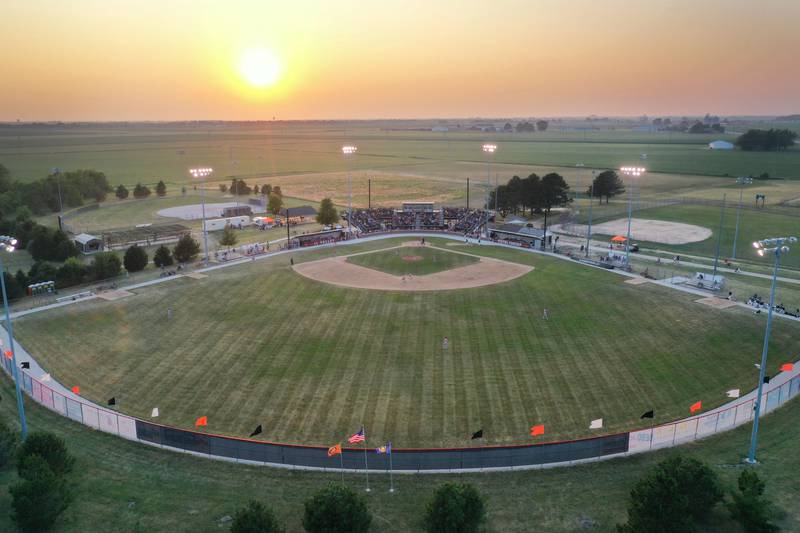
column 318, row 237
column 525, row 235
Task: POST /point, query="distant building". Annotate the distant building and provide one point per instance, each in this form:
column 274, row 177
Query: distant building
column 237, row 211
column 300, row 213
column 720, row 145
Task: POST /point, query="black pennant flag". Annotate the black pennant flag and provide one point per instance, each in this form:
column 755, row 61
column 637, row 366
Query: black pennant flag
column 766, row 379
column 648, row 414
column 112, row 401
column 257, row 431
column 477, row 435
column 25, row 364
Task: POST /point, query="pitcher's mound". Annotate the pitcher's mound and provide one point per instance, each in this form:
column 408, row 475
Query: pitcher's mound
column 337, row 271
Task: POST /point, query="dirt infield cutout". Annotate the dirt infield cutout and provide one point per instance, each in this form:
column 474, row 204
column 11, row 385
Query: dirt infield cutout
column 658, row 231
column 716, row 303
column 114, row 295
column 337, row 271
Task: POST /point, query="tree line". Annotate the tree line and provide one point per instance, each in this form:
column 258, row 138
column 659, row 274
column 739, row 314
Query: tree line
column 766, row 140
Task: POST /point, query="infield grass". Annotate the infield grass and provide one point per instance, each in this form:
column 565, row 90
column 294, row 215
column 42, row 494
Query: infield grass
column 412, row 260
column 311, row 362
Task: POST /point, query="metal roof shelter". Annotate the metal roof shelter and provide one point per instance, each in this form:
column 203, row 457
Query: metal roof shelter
column 88, row 244
column 720, row 145
column 301, row 211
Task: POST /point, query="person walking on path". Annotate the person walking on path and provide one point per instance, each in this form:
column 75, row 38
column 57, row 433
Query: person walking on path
column 545, row 315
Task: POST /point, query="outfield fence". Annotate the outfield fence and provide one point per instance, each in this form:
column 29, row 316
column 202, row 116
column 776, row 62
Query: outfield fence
column 479, row 458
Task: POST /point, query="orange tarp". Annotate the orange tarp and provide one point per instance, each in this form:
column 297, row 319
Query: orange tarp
column 618, row 238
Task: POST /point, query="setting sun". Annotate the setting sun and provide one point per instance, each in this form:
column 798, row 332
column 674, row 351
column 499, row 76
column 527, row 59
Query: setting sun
column 260, row 67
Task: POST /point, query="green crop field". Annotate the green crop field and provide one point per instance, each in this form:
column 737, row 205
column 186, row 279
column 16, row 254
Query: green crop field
column 416, row 261
column 259, row 344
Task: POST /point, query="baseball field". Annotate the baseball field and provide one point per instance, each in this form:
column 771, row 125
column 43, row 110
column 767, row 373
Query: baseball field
column 312, row 361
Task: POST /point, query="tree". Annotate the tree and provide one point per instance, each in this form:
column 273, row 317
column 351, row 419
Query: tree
column 266, row 189
column 608, row 184
column 135, row 259
column 672, row 497
column 327, row 212
column 275, row 203
column 255, row 517
column 239, row 187
column 14, row 289
column 455, row 508
column 186, row 249
column 141, row 191
column 72, row 272
column 541, row 125
column 41, row 271
column 228, row 237
column 49, row 447
column 749, row 507
column 508, row 127
column 277, row 190
column 40, row 497
column 336, row 509
column 554, row 191
column 9, row 440
column 5, row 179
column 161, row 188
column 105, row 265
column 162, row 257
column 764, row 140
column 121, row 192
column 223, row 188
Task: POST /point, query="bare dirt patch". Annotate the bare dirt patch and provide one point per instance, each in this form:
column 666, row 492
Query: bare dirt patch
column 337, row 271
column 659, row 231
column 716, row 303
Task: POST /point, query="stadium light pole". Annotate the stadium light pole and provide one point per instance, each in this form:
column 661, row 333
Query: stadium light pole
column 489, row 149
column 633, row 172
column 778, row 247
column 579, row 168
column 8, row 243
column 57, row 173
column 203, row 173
column 741, row 181
column 346, row 151
column 719, row 241
column 589, row 231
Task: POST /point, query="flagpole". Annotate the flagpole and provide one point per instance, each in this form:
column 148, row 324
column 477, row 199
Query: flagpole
column 366, row 468
column 391, row 478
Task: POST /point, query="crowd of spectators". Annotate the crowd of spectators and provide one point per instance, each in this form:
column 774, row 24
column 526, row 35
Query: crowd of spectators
column 457, row 219
column 756, row 301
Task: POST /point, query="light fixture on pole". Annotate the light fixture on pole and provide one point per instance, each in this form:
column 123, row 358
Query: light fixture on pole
column 349, row 150
column 203, row 173
column 634, row 172
column 741, row 181
column 9, row 244
column 777, row 247
column 489, row 149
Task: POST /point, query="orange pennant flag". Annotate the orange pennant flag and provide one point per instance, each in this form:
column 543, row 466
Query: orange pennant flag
column 696, row 407
column 202, row 421
column 8, row 354
column 787, row 367
column 537, row 430
column 76, row 389
column 335, row 450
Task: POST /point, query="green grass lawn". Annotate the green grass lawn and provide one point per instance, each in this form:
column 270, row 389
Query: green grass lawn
column 415, row 261
column 138, row 488
column 259, row 344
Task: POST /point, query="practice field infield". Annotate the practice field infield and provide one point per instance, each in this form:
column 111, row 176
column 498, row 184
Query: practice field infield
column 311, row 362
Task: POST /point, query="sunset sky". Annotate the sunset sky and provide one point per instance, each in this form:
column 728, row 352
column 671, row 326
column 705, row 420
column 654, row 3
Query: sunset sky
column 240, row 60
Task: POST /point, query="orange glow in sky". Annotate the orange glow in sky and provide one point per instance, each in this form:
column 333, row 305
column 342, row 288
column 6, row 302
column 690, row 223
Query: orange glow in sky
column 249, row 60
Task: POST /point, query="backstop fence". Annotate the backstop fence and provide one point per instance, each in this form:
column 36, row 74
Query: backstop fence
column 55, row 397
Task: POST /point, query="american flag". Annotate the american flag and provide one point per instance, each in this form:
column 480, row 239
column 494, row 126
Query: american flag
column 357, row 437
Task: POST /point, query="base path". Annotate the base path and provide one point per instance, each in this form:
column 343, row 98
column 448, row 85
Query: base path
column 337, row 271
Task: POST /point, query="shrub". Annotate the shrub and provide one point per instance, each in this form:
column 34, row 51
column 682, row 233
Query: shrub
column 163, row 257
column 456, row 508
column 161, row 188
column 186, row 249
column 672, row 497
column 122, row 192
column 255, row 517
column 9, row 440
column 49, row 447
column 141, row 191
column 105, row 265
column 749, row 507
column 135, row 259
column 72, row 272
column 40, row 497
column 334, row 509
column 228, row 237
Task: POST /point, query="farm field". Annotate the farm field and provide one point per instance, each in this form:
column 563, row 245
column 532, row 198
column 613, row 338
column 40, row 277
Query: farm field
column 258, row 344
column 416, row 261
column 140, row 488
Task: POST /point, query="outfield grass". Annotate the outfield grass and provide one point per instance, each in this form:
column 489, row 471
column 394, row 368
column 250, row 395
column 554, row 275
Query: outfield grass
column 258, row 344
column 415, row 261
column 138, row 488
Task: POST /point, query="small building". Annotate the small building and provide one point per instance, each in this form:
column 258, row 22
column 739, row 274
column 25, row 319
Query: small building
column 525, row 235
column 720, row 145
column 299, row 214
column 218, row 224
column 88, row 244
